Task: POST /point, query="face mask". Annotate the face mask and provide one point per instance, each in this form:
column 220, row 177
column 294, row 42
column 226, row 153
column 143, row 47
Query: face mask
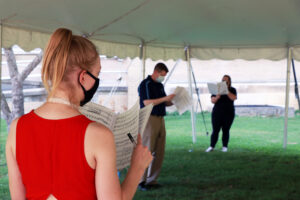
column 88, row 94
column 160, row 79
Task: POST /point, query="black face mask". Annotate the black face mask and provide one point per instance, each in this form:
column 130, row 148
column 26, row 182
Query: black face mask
column 88, row 95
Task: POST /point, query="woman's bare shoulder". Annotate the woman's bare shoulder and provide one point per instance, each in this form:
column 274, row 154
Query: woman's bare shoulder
column 99, row 143
column 99, row 134
column 98, row 128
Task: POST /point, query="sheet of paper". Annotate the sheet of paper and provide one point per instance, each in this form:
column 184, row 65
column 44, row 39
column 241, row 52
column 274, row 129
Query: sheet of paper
column 143, row 117
column 126, row 122
column 217, row 88
column 121, row 124
column 99, row 114
column 182, row 100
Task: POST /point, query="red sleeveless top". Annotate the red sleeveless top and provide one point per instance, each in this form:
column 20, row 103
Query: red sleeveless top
column 51, row 159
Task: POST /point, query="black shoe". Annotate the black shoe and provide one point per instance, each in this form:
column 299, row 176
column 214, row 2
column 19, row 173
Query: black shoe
column 143, row 187
column 155, row 186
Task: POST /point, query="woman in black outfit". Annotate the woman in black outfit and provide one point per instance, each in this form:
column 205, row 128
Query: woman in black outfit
column 222, row 115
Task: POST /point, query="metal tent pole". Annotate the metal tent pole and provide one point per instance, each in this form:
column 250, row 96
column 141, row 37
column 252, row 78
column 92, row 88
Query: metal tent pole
column 296, row 84
column 287, row 93
column 171, row 72
column 198, row 98
column 142, row 58
column 193, row 118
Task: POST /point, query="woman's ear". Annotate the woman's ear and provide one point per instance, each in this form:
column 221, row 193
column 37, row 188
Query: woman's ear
column 81, row 77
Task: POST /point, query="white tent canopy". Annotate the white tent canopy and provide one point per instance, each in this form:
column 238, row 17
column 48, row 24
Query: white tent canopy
column 225, row 29
column 161, row 29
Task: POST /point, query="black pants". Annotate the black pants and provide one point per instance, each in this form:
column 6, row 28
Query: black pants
column 221, row 120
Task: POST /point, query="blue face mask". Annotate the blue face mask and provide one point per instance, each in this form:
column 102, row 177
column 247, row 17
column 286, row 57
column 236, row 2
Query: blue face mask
column 88, row 94
column 160, row 79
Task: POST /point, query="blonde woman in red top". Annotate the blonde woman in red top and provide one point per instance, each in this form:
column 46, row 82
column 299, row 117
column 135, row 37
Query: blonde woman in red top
column 54, row 152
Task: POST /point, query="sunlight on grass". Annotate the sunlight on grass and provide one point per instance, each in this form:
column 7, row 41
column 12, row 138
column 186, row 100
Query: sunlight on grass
column 256, row 166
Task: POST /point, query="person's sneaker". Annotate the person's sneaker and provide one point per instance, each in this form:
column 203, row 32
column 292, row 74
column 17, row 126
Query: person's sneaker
column 224, row 149
column 143, row 187
column 209, row 149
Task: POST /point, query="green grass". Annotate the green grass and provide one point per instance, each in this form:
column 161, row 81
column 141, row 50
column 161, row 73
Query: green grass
column 256, row 166
column 4, row 193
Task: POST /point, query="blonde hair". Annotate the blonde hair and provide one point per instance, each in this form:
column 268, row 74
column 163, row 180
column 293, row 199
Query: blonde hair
column 63, row 54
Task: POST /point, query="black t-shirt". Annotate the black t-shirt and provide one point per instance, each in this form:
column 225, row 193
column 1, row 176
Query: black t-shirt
column 150, row 89
column 225, row 103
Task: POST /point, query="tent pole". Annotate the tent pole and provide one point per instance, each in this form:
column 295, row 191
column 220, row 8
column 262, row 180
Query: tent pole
column 296, row 84
column 287, row 93
column 142, row 58
column 1, row 34
column 187, row 55
column 171, row 72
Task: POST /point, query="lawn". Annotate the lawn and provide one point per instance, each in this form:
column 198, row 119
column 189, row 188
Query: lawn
column 255, row 167
column 4, row 193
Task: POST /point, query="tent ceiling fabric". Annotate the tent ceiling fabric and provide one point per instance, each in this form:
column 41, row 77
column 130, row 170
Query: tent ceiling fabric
column 225, row 29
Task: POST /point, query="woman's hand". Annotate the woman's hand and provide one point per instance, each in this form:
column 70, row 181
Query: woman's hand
column 141, row 157
column 214, row 99
column 231, row 96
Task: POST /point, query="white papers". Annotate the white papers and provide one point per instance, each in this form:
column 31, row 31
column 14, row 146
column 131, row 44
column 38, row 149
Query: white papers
column 182, row 100
column 131, row 121
column 218, row 88
column 144, row 115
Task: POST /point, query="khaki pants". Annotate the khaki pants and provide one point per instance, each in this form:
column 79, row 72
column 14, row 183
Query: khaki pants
column 154, row 138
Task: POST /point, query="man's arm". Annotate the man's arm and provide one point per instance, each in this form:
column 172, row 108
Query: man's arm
column 169, row 103
column 157, row 101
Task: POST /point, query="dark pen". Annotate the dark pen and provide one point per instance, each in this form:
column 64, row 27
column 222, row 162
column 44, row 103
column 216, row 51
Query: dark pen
column 131, row 139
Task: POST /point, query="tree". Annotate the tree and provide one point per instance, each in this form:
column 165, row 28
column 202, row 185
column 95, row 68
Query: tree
column 17, row 80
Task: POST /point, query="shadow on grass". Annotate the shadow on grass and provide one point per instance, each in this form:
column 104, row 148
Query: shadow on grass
column 233, row 175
